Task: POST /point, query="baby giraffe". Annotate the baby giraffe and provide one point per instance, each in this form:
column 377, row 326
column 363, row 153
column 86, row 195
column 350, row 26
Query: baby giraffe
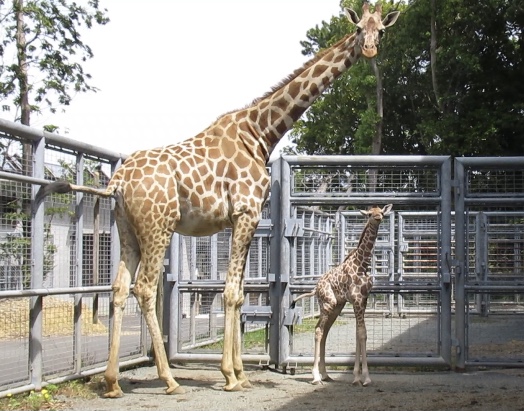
column 348, row 281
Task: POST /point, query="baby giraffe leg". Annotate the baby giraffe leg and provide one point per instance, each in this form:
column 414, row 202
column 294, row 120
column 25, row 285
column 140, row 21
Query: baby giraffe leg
column 319, row 335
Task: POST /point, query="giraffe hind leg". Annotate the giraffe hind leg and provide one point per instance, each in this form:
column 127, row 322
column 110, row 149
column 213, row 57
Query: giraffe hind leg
column 330, row 320
column 129, row 258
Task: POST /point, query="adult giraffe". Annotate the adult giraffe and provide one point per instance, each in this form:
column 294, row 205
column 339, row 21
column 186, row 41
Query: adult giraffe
column 214, row 180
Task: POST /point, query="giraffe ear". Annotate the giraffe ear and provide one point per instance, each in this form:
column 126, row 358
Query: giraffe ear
column 387, row 209
column 352, row 16
column 390, row 19
column 364, row 212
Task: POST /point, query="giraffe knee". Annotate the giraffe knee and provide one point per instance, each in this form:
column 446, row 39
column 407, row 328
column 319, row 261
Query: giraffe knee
column 145, row 296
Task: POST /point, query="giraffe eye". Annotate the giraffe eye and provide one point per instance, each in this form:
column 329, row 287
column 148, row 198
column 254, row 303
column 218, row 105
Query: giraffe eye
column 359, row 30
column 381, row 32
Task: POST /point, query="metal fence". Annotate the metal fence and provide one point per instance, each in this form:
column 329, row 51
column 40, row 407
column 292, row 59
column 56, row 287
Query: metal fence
column 56, row 263
column 448, row 264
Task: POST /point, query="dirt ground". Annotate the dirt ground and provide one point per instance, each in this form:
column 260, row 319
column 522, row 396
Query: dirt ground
column 482, row 389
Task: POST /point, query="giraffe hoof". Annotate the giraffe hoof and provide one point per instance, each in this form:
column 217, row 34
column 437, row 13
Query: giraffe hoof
column 175, row 390
column 237, row 387
column 366, row 383
column 327, row 378
column 114, row 394
column 356, row 382
column 246, row 384
column 316, row 382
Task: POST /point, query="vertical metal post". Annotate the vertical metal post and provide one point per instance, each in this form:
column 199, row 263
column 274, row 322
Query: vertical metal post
column 481, row 261
column 445, row 260
column 115, row 255
column 276, row 268
column 37, row 274
column 174, row 308
column 460, row 269
column 402, row 249
column 79, row 212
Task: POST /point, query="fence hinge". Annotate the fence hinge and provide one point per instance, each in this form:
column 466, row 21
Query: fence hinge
column 294, row 227
column 293, row 316
column 256, row 313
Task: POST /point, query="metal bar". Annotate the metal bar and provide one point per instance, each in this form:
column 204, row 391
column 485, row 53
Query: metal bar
column 372, row 360
column 366, row 160
column 280, row 343
column 445, row 256
column 499, row 289
column 216, row 358
column 34, row 134
column 44, row 292
column 460, row 268
column 500, row 200
column 360, row 200
column 23, row 179
column 491, row 162
column 79, row 265
column 37, row 272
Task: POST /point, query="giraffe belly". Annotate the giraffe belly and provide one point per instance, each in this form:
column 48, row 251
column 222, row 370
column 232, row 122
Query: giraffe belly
column 195, row 221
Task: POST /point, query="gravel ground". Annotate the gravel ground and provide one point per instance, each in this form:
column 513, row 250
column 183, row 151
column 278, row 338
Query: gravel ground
column 488, row 389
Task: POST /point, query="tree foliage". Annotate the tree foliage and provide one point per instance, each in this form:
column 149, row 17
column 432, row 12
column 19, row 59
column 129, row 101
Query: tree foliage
column 467, row 100
column 42, row 53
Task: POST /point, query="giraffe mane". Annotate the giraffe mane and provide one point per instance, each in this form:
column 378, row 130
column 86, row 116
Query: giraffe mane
column 295, row 73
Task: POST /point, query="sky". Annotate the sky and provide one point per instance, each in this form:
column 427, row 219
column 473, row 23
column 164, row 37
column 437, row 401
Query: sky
column 166, row 69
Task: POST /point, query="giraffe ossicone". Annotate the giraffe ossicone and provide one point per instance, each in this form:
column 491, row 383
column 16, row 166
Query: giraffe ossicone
column 347, row 282
column 212, row 181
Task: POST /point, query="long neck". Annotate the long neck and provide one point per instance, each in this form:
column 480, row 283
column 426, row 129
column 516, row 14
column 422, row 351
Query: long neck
column 271, row 116
column 364, row 250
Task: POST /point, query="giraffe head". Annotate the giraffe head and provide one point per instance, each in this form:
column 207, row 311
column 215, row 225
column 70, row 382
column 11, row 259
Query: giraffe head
column 377, row 213
column 370, row 27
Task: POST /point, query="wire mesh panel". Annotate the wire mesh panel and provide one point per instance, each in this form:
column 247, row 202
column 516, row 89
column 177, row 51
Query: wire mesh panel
column 387, row 335
column 312, row 236
column 493, row 198
column 202, row 265
column 14, row 342
column 418, row 259
column 343, row 180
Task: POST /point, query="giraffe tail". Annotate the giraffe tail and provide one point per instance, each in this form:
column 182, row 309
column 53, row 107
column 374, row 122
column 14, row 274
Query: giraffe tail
column 63, row 187
column 294, row 302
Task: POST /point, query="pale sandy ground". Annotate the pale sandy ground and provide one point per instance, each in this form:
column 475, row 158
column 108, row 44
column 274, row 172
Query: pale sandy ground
column 484, row 389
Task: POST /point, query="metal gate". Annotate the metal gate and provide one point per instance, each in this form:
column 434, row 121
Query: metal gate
column 409, row 312
column 311, row 221
column 489, row 265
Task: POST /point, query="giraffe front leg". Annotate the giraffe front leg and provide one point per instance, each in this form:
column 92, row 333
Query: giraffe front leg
column 237, row 350
column 366, row 380
column 361, row 374
column 231, row 365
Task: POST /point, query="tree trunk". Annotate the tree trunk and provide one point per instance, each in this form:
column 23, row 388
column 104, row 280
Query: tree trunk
column 376, row 144
column 23, row 78
column 433, row 54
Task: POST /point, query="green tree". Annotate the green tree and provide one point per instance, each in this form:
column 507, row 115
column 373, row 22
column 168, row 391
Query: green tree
column 451, row 73
column 43, row 52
